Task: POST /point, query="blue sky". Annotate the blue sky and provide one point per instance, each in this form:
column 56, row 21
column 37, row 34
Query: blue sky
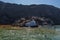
column 28, row 2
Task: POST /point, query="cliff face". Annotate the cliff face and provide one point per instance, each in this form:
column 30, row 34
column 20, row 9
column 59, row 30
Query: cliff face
column 11, row 12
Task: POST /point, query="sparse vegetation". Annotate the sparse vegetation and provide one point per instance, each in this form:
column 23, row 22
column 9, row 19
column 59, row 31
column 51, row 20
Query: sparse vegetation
column 26, row 33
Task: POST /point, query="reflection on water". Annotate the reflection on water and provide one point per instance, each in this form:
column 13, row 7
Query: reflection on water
column 57, row 37
column 57, row 29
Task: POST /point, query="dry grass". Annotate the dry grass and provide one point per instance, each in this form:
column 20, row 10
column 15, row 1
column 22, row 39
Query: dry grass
column 24, row 33
column 9, row 27
column 41, row 29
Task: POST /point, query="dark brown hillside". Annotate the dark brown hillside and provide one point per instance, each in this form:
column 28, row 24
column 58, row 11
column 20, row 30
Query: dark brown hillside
column 11, row 12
